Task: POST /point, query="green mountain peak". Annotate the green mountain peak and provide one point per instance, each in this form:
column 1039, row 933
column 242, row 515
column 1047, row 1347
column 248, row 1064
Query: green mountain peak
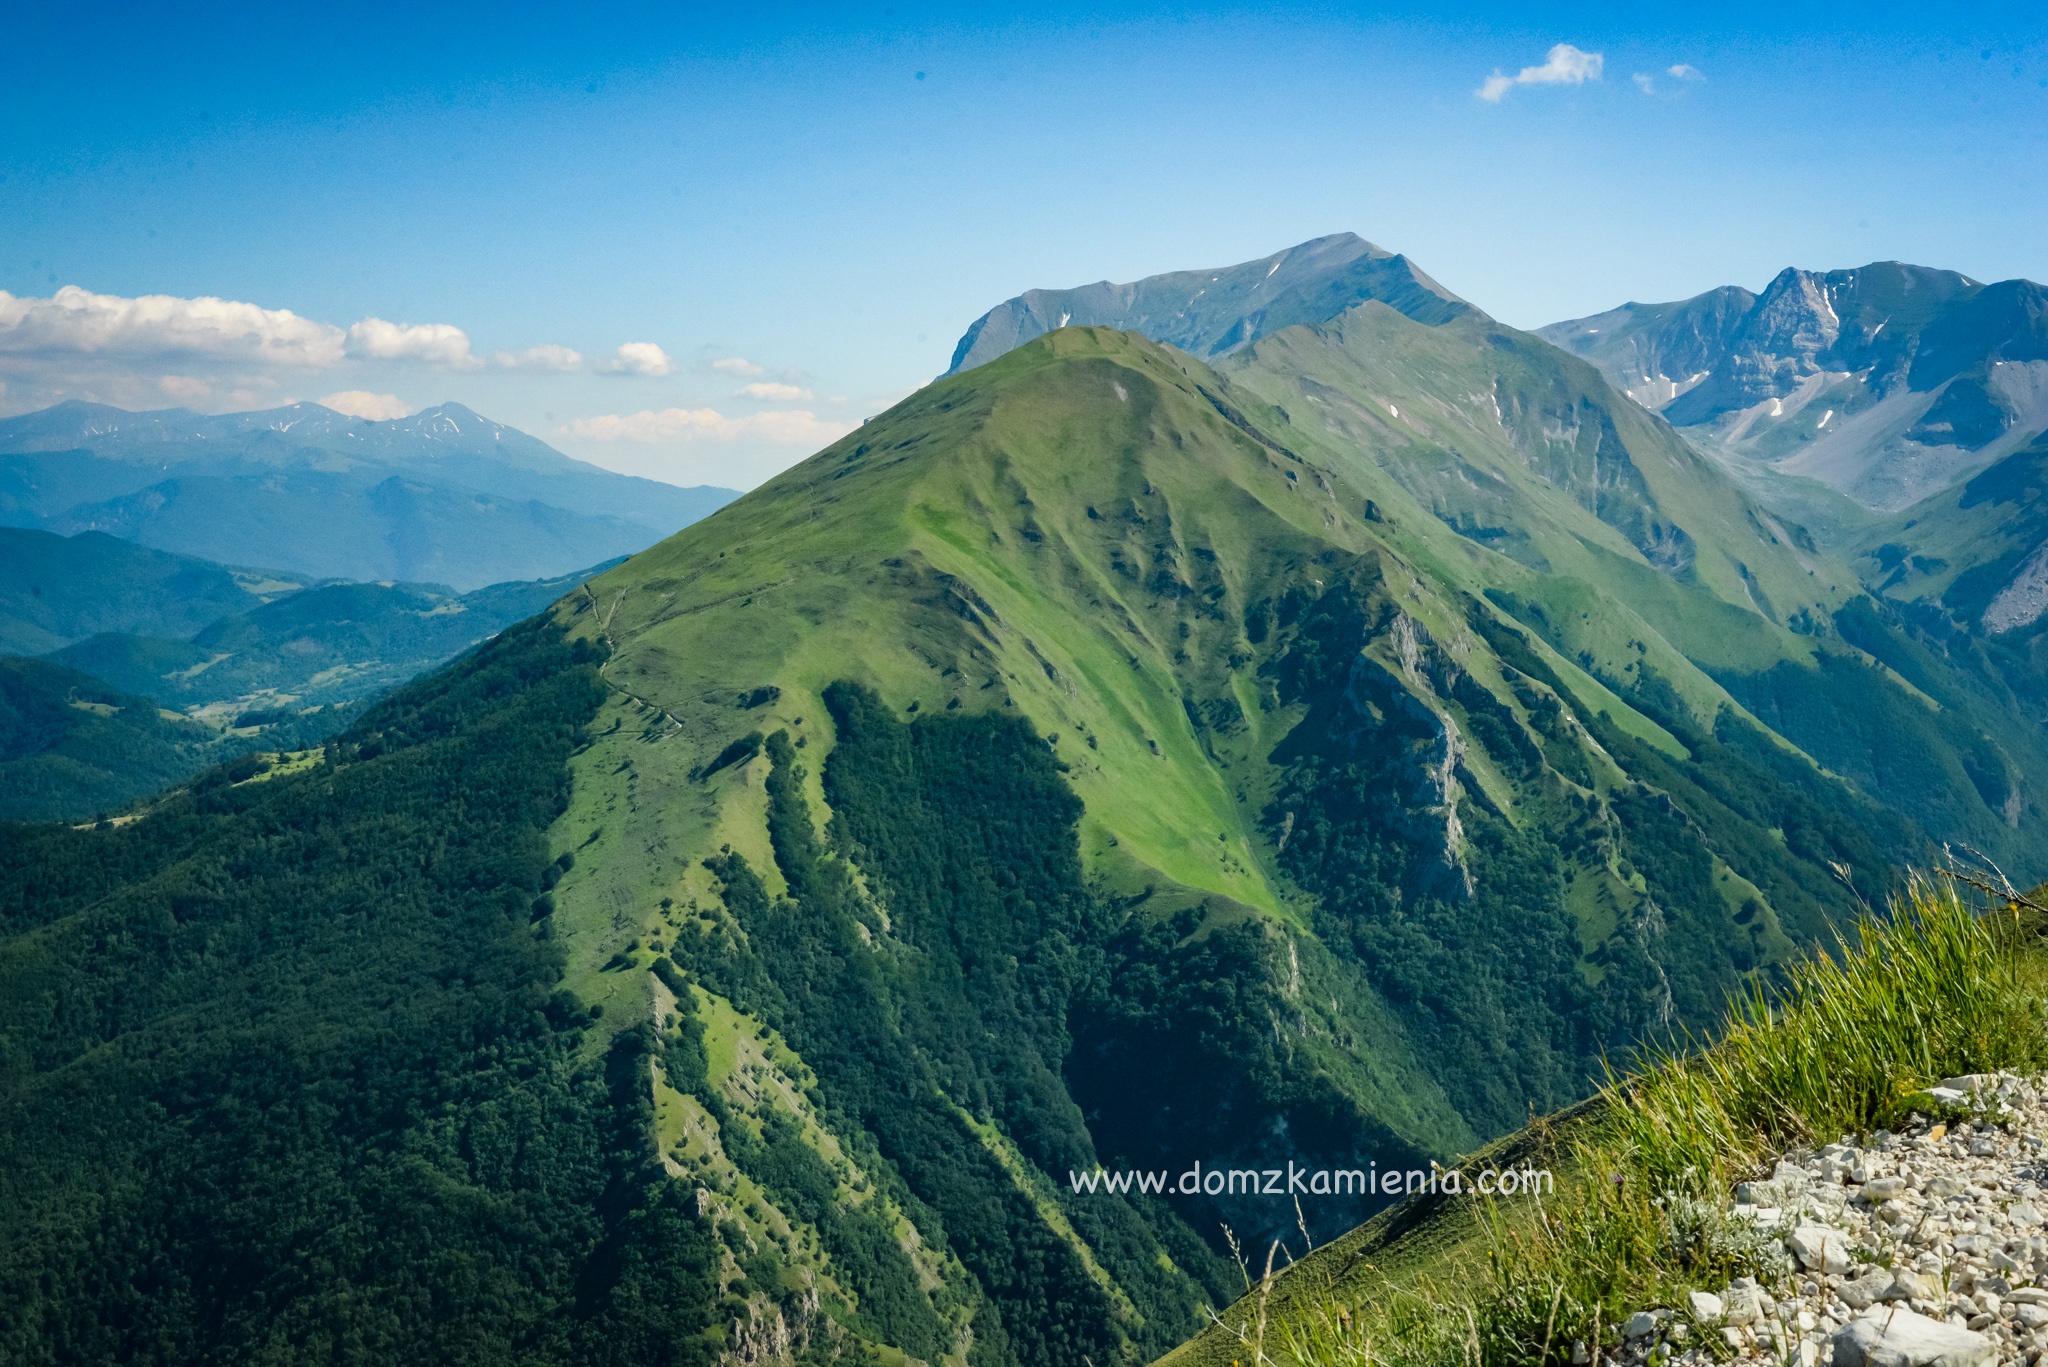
column 1385, row 663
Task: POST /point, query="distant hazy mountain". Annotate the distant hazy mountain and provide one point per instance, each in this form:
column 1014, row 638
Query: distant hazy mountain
column 445, row 496
column 1209, row 313
column 1887, row 383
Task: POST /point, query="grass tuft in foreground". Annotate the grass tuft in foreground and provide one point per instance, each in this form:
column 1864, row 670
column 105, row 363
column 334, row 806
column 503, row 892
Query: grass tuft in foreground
column 1845, row 1045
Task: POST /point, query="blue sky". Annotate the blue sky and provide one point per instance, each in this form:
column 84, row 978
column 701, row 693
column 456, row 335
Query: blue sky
column 793, row 213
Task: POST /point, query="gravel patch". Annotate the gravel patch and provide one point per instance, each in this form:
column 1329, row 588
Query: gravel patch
column 1925, row 1248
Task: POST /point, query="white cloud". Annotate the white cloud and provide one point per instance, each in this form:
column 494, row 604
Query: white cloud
column 737, row 365
column 773, row 392
column 215, row 354
column 361, row 403
column 546, row 357
column 639, row 358
column 435, row 343
column 1564, row 65
column 1684, row 71
column 77, row 321
column 797, row 427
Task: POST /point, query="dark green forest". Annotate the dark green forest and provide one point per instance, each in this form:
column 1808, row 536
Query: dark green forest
column 287, row 1079
column 72, row 747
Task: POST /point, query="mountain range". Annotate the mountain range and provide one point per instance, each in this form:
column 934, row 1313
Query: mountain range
column 1886, row 383
column 443, row 496
column 1261, row 717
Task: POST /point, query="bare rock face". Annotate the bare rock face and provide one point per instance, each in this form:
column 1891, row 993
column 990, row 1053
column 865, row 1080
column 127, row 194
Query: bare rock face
column 1902, row 1338
column 1889, row 382
column 1418, row 750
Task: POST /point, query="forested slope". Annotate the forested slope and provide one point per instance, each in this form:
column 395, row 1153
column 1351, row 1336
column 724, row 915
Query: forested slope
column 72, row 748
column 287, row 1079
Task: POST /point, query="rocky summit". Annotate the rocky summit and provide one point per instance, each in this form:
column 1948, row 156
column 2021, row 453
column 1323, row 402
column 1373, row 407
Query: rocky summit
column 1893, row 412
column 1887, row 382
column 1210, row 313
